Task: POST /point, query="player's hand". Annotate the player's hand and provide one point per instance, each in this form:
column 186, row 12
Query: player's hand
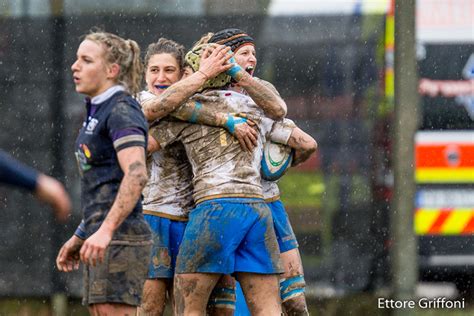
column 68, row 256
column 152, row 145
column 93, row 250
column 244, row 129
column 236, row 72
column 246, row 136
column 52, row 191
column 214, row 60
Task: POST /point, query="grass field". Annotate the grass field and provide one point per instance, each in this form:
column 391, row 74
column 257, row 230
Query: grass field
column 356, row 304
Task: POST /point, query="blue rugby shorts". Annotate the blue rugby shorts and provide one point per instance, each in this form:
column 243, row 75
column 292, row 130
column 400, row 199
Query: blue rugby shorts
column 229, row 235
column 284, row 232
column 167, row 235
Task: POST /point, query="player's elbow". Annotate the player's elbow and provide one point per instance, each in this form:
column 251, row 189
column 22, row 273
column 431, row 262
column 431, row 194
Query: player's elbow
column 282, row 109
column 279, row 111
column 138, row 174
column 312, row 146
column 308, row 147
column 142, row 178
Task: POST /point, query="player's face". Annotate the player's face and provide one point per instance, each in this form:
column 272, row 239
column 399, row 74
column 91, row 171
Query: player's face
column 246, row 58
column 187, row 71
column 90, row 72
column 162, row 71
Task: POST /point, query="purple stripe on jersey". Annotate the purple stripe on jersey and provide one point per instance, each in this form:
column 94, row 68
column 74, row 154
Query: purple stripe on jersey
column 93, row 109
column 126, row 132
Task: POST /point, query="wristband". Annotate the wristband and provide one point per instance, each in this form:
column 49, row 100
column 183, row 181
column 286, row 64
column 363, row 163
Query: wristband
column 232, row 121
column 194, row 116
column 235, row 70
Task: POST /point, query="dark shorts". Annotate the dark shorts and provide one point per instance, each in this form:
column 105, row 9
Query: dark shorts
column 229, row 235
column 285, row 236
column 167, row 237
column 120, row 278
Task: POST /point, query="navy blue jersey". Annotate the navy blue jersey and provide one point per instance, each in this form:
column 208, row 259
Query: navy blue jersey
column 15, row 173
column 112, row 125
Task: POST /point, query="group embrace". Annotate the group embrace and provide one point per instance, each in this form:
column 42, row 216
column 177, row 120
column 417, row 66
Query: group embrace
column 191, row 144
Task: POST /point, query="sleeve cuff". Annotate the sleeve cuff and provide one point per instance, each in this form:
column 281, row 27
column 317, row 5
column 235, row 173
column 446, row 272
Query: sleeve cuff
column 129, row 141
column 81, row 231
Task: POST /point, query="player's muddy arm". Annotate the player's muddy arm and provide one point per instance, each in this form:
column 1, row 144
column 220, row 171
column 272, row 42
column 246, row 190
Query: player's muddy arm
column 212, row 64
column 264, row 96
column 162, row 105
column 201, row 113
column 262, row 92
column 303, row 144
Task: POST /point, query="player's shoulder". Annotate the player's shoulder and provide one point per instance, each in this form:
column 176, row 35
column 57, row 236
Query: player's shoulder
column 126, row 104
column 126, row 112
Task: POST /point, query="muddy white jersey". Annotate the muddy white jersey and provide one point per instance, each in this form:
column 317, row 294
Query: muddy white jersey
column 220, row 167
column 169, row 190
column 276, row 131
column 144, row 96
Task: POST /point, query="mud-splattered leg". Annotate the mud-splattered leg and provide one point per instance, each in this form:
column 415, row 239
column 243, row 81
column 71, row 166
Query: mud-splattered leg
column 191, row 292
column 154, row 297
column 292, row 284
column 261, row 293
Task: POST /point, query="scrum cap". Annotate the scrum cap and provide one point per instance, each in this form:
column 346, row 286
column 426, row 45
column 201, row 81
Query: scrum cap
column 193, row 58
column 234, row 38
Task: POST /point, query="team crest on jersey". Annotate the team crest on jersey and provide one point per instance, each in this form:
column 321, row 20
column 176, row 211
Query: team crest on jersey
column 91, row 125
column 162, row 258
column 82, row 155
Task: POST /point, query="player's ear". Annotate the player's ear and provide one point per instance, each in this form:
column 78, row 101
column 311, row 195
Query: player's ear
column 113, row 71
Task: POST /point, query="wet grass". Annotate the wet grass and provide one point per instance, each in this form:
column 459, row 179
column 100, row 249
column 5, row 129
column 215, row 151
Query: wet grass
column 356, row 304
column 37, row 307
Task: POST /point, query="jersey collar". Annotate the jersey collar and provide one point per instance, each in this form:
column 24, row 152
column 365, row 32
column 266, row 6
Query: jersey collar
column 104, row 96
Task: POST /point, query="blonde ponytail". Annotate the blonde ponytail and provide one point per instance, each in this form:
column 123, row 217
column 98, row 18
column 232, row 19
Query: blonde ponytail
column 135, row 70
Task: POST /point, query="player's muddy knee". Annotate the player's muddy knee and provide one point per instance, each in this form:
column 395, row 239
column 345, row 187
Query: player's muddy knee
column 151, row 307
column 153, row 302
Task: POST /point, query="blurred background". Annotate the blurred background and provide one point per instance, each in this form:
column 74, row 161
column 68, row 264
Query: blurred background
column 333, row 63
